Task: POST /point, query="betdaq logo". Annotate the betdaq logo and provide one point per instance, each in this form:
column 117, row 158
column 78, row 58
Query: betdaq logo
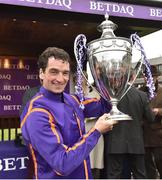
column 61, row 3
column 114, row 8
column 5, row 97
column 32, row 76
column 5, row 76
column 155, row 12
column 11, row 164
column 15, row 87
column 11, row 107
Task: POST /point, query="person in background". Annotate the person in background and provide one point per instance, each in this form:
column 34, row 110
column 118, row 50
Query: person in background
column 29, row 93
column 153, row 132
column 125, row 143
column 52, row 123
column 97, row 154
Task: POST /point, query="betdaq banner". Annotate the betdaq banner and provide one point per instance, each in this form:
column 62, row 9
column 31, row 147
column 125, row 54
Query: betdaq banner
column 14, row 161
column 94, row 7
column 16, row 76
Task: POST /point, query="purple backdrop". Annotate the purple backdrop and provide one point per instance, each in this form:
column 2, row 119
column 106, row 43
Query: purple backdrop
column 14, row 160
column 94, row 7
column 16, row 76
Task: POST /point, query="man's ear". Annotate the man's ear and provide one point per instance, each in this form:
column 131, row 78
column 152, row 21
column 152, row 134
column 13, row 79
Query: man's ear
column 41, row 74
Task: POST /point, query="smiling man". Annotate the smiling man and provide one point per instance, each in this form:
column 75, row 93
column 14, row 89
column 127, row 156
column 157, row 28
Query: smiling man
column 52, row 122
column 56, row 76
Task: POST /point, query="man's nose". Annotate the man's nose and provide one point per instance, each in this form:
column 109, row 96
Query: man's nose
column 60, row 77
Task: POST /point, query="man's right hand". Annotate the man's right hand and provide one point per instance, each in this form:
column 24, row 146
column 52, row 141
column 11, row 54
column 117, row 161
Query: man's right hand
column 104, row 123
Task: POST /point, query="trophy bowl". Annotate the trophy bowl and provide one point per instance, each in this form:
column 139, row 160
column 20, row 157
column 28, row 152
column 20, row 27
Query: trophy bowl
column 110, row 64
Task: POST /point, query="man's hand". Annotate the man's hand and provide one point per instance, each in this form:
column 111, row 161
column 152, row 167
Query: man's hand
column 104, row 124
column 155, row 110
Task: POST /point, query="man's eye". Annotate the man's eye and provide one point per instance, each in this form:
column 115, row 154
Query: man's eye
column 66, row 73
column 54, row 72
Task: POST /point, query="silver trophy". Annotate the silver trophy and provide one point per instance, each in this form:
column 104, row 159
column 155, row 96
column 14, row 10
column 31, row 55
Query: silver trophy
column 110, row 63
column 110, row 60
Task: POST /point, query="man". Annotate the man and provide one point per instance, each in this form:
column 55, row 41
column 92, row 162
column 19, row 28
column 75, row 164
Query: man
column 125, row 143
column 97, row 154
column 53, row 123
column 153, row 132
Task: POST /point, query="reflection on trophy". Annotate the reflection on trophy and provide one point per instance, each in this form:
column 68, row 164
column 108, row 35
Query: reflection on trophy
column 110, row 63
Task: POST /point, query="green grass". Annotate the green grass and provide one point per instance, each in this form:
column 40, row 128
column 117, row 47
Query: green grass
column 6, row 133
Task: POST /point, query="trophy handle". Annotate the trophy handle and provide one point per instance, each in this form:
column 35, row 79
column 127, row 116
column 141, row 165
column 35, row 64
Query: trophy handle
column 80, row 55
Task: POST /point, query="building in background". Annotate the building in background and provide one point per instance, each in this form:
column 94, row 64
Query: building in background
column 152, row 44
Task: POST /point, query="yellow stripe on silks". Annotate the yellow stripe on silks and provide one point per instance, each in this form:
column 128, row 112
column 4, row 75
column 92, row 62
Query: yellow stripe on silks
column 90, row 101
column 75, row 99
column 80, row 143
column 87, row 101
column 29, row 109
column 34, row 161
column 50, row 121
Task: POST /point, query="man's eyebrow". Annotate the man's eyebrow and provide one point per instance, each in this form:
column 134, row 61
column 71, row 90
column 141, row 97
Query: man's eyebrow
column 55, row 69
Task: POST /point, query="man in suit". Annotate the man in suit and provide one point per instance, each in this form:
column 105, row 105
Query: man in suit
column 125, row 142
column 153, row 132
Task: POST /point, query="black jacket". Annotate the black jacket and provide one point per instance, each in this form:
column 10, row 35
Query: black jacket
column 127, row 136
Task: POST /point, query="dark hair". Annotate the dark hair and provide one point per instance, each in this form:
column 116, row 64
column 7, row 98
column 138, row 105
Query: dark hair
column 55, row 52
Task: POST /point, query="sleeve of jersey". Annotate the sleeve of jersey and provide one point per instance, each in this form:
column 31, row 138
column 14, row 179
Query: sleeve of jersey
column 46, row 139
column 96, row 108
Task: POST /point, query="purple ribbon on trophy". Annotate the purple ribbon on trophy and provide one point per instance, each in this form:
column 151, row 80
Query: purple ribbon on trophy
column 149, row 80
column 80, row 55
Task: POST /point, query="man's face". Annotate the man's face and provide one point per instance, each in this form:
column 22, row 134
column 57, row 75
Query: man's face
column 56, row 75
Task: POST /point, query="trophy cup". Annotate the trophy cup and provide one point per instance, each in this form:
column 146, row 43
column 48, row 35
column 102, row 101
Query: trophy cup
column 110, row 61
column 110, row 64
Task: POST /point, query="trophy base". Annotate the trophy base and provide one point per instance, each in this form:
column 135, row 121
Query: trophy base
column 117, row 115
column 120, row 117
